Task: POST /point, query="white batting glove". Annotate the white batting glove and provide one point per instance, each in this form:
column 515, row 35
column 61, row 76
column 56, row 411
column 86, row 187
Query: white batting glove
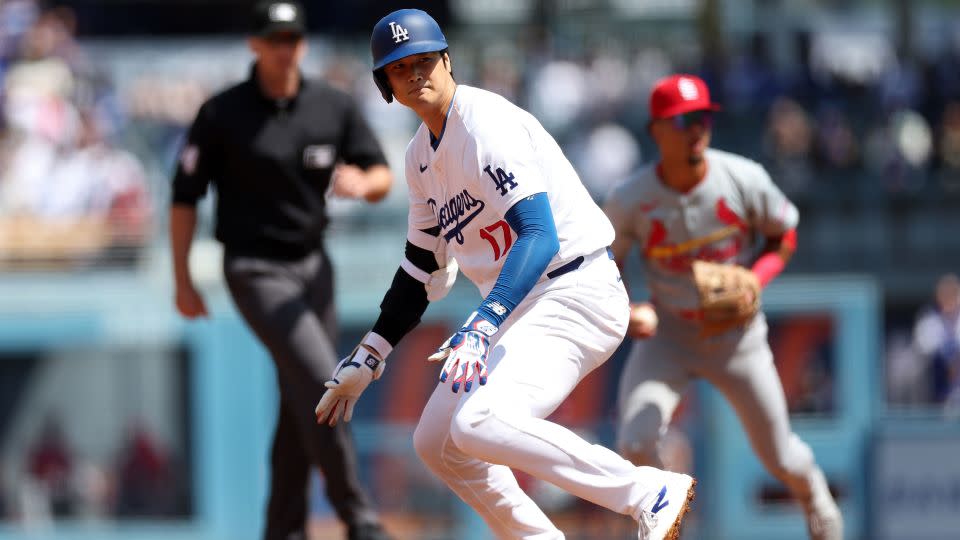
column 352, row 376
column 465, row 353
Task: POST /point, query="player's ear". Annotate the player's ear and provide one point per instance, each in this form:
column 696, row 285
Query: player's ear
column 655, row 130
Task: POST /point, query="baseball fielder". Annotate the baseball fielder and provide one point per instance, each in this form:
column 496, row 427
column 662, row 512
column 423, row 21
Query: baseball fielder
column 695, row 208
column 491, row 192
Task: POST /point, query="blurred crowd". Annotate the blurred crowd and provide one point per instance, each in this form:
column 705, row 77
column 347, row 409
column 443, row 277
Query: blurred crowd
column 821, row 129
column 924, row 365
column 899, row 132
column 145, row 480
column 78, row 148
column 68, row 193
column 881, row 123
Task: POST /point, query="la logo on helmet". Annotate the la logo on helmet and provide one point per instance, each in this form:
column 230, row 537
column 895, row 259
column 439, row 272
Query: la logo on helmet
column 399, row 33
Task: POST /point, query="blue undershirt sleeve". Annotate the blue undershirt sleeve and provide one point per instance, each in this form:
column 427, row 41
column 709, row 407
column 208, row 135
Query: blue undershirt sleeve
column 536, row 244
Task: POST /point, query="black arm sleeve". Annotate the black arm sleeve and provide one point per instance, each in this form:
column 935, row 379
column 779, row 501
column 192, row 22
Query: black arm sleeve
column 406, row 300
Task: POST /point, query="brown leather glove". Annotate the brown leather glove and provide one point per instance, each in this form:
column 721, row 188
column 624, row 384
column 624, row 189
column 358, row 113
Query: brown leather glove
column 729, row 296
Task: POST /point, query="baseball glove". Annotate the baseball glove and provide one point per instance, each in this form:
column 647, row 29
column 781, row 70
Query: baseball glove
column 729, row 296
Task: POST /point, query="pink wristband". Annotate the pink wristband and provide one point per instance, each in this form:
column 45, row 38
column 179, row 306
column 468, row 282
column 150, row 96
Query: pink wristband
column 768, row 267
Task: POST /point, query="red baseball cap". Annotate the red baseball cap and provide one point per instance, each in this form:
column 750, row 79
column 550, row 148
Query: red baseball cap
column 678, row 94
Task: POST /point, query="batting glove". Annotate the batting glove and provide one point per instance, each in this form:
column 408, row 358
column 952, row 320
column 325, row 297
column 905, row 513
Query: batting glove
column 352, row 376
column 465, row 353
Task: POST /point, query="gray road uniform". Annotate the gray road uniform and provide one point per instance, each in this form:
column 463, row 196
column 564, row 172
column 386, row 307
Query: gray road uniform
column 718, row 220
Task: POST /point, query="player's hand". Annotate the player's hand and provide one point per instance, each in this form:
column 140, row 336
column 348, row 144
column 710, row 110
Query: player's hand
column 465, row 353
column 352, row 376
column 190, row 303
column 643, row 321
column 349, row 181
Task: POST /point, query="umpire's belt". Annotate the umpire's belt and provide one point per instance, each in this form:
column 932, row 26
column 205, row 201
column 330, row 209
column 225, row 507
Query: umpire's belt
column 572, row 265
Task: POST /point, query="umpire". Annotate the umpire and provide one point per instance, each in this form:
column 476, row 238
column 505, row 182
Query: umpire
column 271, row 145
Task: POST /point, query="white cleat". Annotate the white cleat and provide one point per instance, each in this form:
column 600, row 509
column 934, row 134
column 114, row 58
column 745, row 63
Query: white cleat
column 824, row 520
column 661, row 521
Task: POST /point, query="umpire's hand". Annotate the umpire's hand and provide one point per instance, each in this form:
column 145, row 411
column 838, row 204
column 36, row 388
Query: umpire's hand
column 352, row 376
column 189, row 302
column 371, row 184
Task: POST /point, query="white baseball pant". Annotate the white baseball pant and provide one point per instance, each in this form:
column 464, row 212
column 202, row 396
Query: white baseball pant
column 564, row 329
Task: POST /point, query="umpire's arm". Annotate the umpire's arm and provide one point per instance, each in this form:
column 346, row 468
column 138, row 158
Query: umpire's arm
column 189, row 185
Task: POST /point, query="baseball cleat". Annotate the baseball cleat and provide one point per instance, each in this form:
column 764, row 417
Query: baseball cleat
column 661, row 520
column 824, row 520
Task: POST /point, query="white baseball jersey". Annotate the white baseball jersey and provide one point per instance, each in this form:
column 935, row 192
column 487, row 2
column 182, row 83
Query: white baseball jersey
column 716, row 221
column 491, row 155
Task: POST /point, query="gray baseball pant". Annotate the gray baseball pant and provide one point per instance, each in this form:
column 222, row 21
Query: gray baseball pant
column 740, row 365
column 289, row 306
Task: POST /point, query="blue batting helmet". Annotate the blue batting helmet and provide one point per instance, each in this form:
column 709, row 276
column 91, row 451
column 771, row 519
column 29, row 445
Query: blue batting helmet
column 403, row 33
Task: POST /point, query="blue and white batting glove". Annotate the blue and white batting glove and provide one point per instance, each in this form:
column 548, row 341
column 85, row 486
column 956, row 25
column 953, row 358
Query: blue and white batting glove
column 465, row 353
column 352, row 376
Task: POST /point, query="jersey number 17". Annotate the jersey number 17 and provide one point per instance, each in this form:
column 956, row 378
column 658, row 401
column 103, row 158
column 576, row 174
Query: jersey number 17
column 487, row 233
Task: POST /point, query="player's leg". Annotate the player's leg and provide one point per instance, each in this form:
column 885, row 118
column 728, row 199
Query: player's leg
column 491, row 490
column 289, row 474
column 750, row 382
column 650, row 388
column 275, row 300
column 551, row 345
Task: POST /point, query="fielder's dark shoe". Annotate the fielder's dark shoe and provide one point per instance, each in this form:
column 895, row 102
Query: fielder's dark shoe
column 368, row 531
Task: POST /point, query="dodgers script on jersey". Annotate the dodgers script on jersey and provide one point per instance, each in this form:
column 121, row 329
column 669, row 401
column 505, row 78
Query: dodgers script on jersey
column 491, row 155
column 716, row 221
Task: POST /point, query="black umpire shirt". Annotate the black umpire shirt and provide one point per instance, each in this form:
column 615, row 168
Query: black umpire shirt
column 270, row 161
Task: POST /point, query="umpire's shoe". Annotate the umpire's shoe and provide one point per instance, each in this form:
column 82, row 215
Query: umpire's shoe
column 368, row 531
column 661, row 515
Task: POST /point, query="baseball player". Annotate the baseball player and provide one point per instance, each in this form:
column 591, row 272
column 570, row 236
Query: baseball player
column 492, row 193
column 695, row 208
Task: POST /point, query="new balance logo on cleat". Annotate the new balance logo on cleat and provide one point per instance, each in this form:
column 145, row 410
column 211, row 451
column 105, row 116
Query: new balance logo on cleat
column 657, row 506
column 662, row 521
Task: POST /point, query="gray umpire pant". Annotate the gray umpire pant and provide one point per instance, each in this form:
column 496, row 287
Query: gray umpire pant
column 289, row 306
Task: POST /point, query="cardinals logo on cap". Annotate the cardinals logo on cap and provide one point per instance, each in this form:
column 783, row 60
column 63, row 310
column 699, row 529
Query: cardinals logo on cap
column 678, row 94
column 688, row 89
